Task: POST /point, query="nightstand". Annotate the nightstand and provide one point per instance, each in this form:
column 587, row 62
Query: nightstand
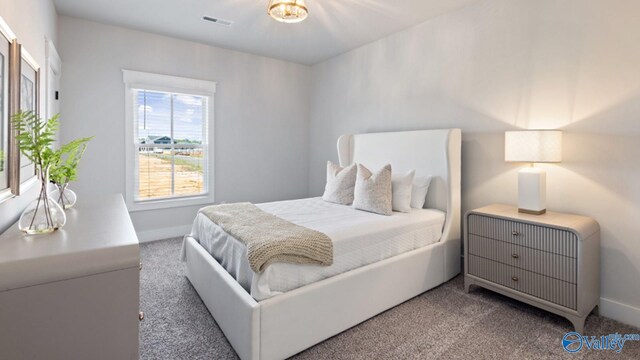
column 551, row 261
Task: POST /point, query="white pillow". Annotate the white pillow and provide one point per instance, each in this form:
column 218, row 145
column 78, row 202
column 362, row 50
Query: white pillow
column 340, row 184
column 419, row 191
column 402, row 186
column 373, row 191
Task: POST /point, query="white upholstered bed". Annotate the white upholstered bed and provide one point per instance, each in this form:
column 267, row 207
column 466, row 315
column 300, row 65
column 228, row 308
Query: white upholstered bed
column 297, row 307
column 359, row 238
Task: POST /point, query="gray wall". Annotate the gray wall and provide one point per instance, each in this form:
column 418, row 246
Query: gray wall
column 31, row 21
column 507, row 64
column 261, row 114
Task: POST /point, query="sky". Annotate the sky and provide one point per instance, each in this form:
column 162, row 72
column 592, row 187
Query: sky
column 187, row 115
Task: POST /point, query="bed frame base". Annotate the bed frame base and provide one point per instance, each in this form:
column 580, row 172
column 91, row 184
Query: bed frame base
column 286, row 324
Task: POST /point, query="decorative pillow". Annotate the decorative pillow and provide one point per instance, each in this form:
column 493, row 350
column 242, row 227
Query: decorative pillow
column 419, row 191
column 373, row 191
column 402, row 185
column 340, row 184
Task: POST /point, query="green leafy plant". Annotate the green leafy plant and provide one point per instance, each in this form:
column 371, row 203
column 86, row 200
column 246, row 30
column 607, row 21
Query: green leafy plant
column 35, row 137
column 64, row 167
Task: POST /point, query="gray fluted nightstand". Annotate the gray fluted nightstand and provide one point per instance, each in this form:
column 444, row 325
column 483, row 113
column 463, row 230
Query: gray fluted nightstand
column 551, row 261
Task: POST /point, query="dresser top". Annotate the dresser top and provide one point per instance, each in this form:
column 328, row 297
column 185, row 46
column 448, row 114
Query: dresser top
column 582, row 225
column 98, row 237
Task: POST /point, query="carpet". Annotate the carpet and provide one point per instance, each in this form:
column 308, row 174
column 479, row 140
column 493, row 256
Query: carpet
column 443, row 323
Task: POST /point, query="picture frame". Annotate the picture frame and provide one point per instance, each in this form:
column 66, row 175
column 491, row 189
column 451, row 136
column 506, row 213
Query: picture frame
column 29, row 100
column 13, row 108
column 5, row 45
column 9, row 53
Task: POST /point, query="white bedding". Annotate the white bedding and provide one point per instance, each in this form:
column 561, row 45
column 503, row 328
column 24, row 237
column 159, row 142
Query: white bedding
column 359, row 238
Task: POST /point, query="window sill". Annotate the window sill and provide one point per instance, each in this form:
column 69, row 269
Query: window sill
column 133, row 206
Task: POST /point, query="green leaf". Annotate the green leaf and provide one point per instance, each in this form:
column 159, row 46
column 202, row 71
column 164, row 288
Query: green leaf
column 35, row 139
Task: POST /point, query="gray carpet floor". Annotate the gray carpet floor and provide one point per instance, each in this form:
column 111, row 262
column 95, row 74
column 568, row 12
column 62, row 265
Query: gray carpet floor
column 443, row 323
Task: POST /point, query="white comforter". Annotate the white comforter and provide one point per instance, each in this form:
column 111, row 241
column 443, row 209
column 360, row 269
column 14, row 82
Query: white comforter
column 359, row 238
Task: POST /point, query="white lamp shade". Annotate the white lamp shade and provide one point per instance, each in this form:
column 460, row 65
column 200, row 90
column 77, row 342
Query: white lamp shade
column 531, row 146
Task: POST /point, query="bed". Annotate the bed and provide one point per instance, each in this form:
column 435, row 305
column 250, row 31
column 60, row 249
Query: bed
column 359, row 238
column 379, row 262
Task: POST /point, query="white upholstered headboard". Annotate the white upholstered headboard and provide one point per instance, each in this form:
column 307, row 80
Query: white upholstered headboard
column 434, row 153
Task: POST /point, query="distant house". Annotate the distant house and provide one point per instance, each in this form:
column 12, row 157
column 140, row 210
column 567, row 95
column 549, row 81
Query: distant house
column 157, row 140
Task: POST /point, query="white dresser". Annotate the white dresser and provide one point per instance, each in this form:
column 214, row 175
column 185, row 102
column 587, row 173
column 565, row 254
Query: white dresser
column 551, row 261
column 74, row 293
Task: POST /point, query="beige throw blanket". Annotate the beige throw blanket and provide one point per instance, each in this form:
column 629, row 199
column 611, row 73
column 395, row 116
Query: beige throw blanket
column 270, row 239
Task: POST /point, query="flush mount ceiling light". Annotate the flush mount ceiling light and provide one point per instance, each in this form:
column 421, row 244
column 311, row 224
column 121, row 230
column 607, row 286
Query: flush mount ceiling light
column 288, row 11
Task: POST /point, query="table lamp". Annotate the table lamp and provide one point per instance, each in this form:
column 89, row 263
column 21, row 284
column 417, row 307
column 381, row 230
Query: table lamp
column 533, row 146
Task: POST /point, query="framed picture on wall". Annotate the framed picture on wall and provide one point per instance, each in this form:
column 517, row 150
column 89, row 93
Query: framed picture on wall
column 15, row 64
column 8, row 44
column 29, row 93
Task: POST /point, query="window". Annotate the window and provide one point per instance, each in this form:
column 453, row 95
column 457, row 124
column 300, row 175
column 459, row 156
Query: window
column 169, row 122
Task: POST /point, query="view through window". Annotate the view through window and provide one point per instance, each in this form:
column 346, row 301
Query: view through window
column 171, row 142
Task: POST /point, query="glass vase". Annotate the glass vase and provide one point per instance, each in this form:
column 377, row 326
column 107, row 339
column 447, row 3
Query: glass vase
column 64, row 196
column 43, row 215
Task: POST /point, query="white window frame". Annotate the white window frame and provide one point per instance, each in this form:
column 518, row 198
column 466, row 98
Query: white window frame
column 165, row 83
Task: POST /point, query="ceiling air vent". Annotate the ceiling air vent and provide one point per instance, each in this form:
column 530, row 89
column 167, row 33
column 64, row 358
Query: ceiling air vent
column 218, row 21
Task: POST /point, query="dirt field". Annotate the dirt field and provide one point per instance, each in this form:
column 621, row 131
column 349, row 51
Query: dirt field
column 155, row 178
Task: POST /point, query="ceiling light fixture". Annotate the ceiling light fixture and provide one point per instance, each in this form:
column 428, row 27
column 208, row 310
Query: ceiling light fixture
column 288, row 11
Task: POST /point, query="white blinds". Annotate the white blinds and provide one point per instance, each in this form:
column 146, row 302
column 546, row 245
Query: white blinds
column 170, row 135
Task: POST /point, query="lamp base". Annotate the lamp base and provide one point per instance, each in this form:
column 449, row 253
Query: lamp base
column 532, row 212
column 532, row 191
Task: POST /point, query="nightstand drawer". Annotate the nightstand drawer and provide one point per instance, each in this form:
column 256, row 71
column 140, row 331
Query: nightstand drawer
column 543, row 238
column 540, row 286
column 541, row 262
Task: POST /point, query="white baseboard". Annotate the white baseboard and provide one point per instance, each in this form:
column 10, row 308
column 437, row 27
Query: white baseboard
column 163, row 233
column 621, row 312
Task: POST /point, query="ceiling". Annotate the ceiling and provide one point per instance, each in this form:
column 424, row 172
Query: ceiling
column 333, row 26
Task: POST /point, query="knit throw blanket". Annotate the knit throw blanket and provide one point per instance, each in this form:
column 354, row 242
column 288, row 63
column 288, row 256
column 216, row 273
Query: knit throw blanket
column 270, row 239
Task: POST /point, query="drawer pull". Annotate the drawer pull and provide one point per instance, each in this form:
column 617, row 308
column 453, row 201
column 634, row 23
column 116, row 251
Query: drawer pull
column 141, row 316
column 514, row 278
column 515, row 256
column 140, row 266
column 515, row 233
